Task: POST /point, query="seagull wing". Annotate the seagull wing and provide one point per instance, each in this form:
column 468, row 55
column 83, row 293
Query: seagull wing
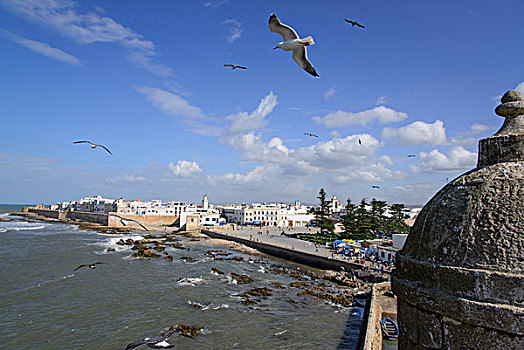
column 276, row 26
column 359, row 25
column 134, row 345
column 104, row 147
column 79, row 267
column 165, row 334
column 82, row 142
column 229, row 65
column 241, row 67
column 300, row 56
column 98, row 263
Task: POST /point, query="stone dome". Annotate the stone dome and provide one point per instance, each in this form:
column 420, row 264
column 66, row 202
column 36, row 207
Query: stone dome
column 463, row 261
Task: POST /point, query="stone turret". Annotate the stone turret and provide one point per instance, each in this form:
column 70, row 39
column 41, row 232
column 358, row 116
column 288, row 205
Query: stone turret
column 460, row 276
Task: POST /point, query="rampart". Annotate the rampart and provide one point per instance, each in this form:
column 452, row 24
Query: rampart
column 312, row 260
column 114, row 221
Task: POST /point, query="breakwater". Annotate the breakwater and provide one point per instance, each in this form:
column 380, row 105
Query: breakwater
column 64, row 215
column 283, row 252
column 102, row 218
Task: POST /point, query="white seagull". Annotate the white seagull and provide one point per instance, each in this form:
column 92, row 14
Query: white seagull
column 293, row 43
column 94, row 145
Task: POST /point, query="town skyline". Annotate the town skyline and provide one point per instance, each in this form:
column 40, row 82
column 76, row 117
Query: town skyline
column 153, row 89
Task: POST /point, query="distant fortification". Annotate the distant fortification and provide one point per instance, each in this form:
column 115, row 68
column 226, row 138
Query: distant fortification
column 460, row 277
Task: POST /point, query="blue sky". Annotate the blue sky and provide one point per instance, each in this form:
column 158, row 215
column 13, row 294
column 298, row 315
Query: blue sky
column 146, row 79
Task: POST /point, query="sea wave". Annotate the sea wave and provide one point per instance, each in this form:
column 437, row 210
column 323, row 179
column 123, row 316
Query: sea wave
column 189, row 281
column 27, row 228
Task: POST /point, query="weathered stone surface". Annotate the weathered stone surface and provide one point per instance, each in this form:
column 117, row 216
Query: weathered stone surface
column 460, row 277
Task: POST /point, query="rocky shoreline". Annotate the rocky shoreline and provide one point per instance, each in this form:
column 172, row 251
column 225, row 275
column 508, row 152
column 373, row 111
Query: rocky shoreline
column 348, row 286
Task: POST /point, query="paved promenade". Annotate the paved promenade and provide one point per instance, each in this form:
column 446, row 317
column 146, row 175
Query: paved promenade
column 273, row 236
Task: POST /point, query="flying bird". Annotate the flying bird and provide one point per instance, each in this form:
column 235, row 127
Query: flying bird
column 310, row 134
column 375, row 186
column 124, row 221
column 158, row 342
column 91, row 266
column 293, row 43
column 354, row 23
column 234, row 66
column 411, row 155
column 359, row 141
column 94, row 145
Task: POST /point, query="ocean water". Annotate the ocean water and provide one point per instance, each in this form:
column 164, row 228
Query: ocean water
column 45, row 305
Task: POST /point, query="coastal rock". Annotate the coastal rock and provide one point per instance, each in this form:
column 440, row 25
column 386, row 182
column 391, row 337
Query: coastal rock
column 160, row 248
column 188, row 330
column 187, row 259
column 110, row 249
column 169, row 258
column 241, row 279
column 145, row 253
column 121, row 242
column 260, row 292
column 217, row 271
column 175, row 245
column 236, row 258
column 6, row 219
column 343, row 300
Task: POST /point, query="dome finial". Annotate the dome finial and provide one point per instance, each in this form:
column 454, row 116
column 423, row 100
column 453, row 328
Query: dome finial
column 512, row 108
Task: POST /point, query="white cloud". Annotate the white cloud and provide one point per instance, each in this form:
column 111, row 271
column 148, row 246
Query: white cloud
column 256, row 175
column 382, row 100
column 235, row 29
column 341, row 118
column 520, row 87
column 170, row 103
column 330, row 92
column 127, row 178
column 457, row 159
column 185, row 168
column 419, row 133
column 88, row 28
column 480, row 128
column 215, row 3
column 377, row 172
column 243, row 121
column 43, row 48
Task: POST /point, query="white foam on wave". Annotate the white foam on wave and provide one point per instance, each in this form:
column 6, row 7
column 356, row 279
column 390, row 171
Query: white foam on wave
column 281, row 332
column 231, row 280
column 189, row 281
column 27, row 228
column 111, row 243
column 261, row 269
column 2, row 230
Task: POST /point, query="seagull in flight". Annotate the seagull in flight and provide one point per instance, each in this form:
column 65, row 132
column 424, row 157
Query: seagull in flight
column 359, row 141
column 411, row 155
column 234, row 66
column 91, row 266
column 94, row 145
column 158, row 342
column 310, row 134
column 375, row 186
column 124, row 221
column 354, row 23
column 293, row 43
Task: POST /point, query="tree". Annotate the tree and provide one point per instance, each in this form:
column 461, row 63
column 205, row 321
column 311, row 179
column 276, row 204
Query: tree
column 364, row 222
column 322, row 214
column 349, row 221
column 398, row 215
column 378, row 219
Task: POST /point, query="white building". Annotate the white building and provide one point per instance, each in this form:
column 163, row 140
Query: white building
column 275, row 214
